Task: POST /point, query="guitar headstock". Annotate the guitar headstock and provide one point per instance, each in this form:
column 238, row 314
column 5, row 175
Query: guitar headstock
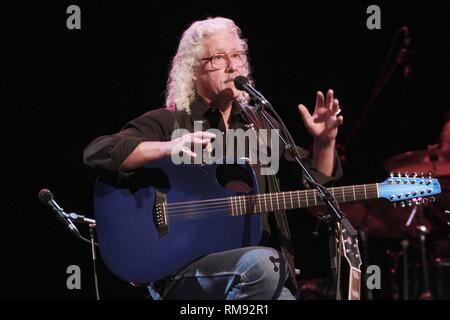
column 350, row 249
column 409, row 189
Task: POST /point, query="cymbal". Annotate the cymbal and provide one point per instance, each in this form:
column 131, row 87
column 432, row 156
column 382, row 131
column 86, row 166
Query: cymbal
column 435, row 160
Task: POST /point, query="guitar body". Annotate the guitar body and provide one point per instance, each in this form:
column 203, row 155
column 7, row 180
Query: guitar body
column 136, row 250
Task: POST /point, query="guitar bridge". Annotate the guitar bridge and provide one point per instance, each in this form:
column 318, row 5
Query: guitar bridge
column 160, row 214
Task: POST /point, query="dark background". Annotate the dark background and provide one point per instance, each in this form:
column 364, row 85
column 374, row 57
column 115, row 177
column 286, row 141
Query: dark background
column 62, row 88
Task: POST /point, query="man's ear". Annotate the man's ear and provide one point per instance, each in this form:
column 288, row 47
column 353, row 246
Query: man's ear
column 195, row 74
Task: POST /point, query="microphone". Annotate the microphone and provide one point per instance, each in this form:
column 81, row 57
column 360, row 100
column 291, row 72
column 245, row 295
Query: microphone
column 407, row 68
column 46, row 198
column 242, row 83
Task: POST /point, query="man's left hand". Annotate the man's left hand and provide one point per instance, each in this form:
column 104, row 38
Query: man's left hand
column 324, row 122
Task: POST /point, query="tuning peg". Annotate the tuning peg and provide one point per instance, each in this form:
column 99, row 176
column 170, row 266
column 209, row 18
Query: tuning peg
column 430, row 174
column 425, row 200
column 399, row 174
column 422, row 175
column 422, row 228
column 402, row 204
column 391, row 174
column 432, row 199
column 410, row 203
column 406, row 174
column 414, row 175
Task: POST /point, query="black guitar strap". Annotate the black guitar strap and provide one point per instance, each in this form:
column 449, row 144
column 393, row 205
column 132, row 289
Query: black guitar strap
column 178, row 118
column 284, row 233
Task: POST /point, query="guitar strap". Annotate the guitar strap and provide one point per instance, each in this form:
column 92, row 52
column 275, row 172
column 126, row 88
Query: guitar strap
column 273, row 184
column 178, row 118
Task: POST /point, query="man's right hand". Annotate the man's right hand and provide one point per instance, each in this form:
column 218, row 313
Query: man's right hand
column 149, row 151
column 186, row 143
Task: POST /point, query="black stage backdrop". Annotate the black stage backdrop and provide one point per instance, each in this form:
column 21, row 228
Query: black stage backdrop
column 62, row 88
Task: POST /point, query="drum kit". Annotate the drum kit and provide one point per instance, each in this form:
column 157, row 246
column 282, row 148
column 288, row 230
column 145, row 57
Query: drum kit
column 421, row 264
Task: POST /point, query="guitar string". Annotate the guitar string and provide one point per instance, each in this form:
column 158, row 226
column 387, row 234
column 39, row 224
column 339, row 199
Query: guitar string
column 243, row 203
column 332, row 190
column 224, row 210
column 279, row 196
column 268, row 196
column 263, row 200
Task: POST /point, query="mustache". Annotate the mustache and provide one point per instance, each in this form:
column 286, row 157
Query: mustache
column 231, row 79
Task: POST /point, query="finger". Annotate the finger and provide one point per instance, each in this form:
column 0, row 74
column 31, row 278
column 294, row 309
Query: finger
column 329, row 102
column 190, row 153
column 184, row 151
column 209, row 147
column 204, row 134
column 335, row 108
column 200, row 141
column 319, row 99
column 304, row 113
column 339, row 121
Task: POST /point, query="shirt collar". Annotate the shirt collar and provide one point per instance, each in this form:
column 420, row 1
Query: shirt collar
column 199, row 108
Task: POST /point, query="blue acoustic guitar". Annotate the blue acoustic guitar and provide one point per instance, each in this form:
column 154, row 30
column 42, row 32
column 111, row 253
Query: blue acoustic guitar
column 169, row 215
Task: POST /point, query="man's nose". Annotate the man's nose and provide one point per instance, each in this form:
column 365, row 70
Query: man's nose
column 231, row 65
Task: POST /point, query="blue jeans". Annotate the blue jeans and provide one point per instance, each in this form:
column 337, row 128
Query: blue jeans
column 239, row 274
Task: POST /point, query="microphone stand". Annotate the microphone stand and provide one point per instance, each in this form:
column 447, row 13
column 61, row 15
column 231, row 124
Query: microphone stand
column 91, row 222
column 335, row 216
column 94, row 260
column 384, row 77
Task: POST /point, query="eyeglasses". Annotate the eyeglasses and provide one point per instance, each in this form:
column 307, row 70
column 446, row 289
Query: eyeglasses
column 221, row 60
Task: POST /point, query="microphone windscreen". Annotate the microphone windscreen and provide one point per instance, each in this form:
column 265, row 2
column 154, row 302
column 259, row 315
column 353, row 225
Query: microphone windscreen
column 45, row 195
column 240, row 81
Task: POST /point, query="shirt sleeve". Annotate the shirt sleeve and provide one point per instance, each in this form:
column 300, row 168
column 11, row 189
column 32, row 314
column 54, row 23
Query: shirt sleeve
column 310, row 165
column 104, row 155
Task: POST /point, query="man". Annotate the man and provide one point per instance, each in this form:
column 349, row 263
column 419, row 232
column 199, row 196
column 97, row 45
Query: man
column 211, row 54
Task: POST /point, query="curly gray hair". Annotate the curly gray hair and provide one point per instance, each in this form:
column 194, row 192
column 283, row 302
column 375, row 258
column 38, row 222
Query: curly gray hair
column 180, row 92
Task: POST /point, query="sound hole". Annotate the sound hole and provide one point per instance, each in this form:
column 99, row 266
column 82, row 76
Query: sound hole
column 234, row 177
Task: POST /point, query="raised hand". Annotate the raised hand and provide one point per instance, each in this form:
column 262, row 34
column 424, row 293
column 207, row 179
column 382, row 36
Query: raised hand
column 324, row 122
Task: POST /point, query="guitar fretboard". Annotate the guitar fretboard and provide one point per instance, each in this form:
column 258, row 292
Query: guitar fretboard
column 266, row 202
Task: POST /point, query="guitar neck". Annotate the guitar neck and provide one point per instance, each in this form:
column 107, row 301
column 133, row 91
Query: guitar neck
column 266, row 202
